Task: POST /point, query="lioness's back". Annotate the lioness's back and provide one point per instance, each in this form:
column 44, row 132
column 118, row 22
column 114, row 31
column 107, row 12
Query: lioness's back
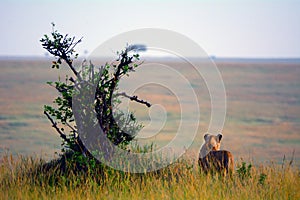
column 218, row 160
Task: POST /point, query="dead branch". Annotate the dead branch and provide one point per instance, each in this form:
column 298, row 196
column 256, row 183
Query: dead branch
column 134, row 98
column 54, row 125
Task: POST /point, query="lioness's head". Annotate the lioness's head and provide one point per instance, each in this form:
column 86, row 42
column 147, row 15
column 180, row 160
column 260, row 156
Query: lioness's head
column 212, row 142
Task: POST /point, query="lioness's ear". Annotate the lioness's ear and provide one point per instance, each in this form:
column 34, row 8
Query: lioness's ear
column 219, row 137
column 205, row 137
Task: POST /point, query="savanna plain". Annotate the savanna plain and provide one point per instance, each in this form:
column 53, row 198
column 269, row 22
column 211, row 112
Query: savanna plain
column 261, row 130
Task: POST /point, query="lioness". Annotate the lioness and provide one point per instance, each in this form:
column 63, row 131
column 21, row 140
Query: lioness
column 212, row 159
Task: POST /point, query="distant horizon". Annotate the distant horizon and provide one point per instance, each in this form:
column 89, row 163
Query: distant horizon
column 214, row 58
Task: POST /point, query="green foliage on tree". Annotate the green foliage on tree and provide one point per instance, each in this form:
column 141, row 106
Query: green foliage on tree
column 96, row 86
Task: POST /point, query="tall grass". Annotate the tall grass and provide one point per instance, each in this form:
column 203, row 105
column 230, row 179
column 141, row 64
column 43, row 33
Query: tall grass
column 33, row 178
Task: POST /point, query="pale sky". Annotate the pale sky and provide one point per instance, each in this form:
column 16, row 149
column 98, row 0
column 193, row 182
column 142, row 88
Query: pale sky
column 224, row 28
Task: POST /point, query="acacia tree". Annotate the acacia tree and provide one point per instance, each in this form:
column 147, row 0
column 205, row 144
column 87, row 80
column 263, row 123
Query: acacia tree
column 98, row 85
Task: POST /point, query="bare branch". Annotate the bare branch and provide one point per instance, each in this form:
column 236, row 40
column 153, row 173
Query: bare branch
column 134, row 98
column 54, row 125
column 73, row 45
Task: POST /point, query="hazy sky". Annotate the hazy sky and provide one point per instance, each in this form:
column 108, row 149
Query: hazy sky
column 225, row 28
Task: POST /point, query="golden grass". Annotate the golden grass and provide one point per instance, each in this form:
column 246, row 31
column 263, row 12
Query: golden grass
column 23, row 178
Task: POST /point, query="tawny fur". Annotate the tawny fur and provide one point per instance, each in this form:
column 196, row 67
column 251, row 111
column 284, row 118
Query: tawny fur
column 212, row 159
column 218, row 161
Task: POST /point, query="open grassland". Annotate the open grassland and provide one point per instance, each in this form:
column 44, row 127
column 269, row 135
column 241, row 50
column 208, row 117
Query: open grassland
column 262, row 126
column 25, row 178
column 263, row 108
column 24, row 129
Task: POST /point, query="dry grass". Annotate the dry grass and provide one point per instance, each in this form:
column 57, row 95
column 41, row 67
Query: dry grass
column 24, row 178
